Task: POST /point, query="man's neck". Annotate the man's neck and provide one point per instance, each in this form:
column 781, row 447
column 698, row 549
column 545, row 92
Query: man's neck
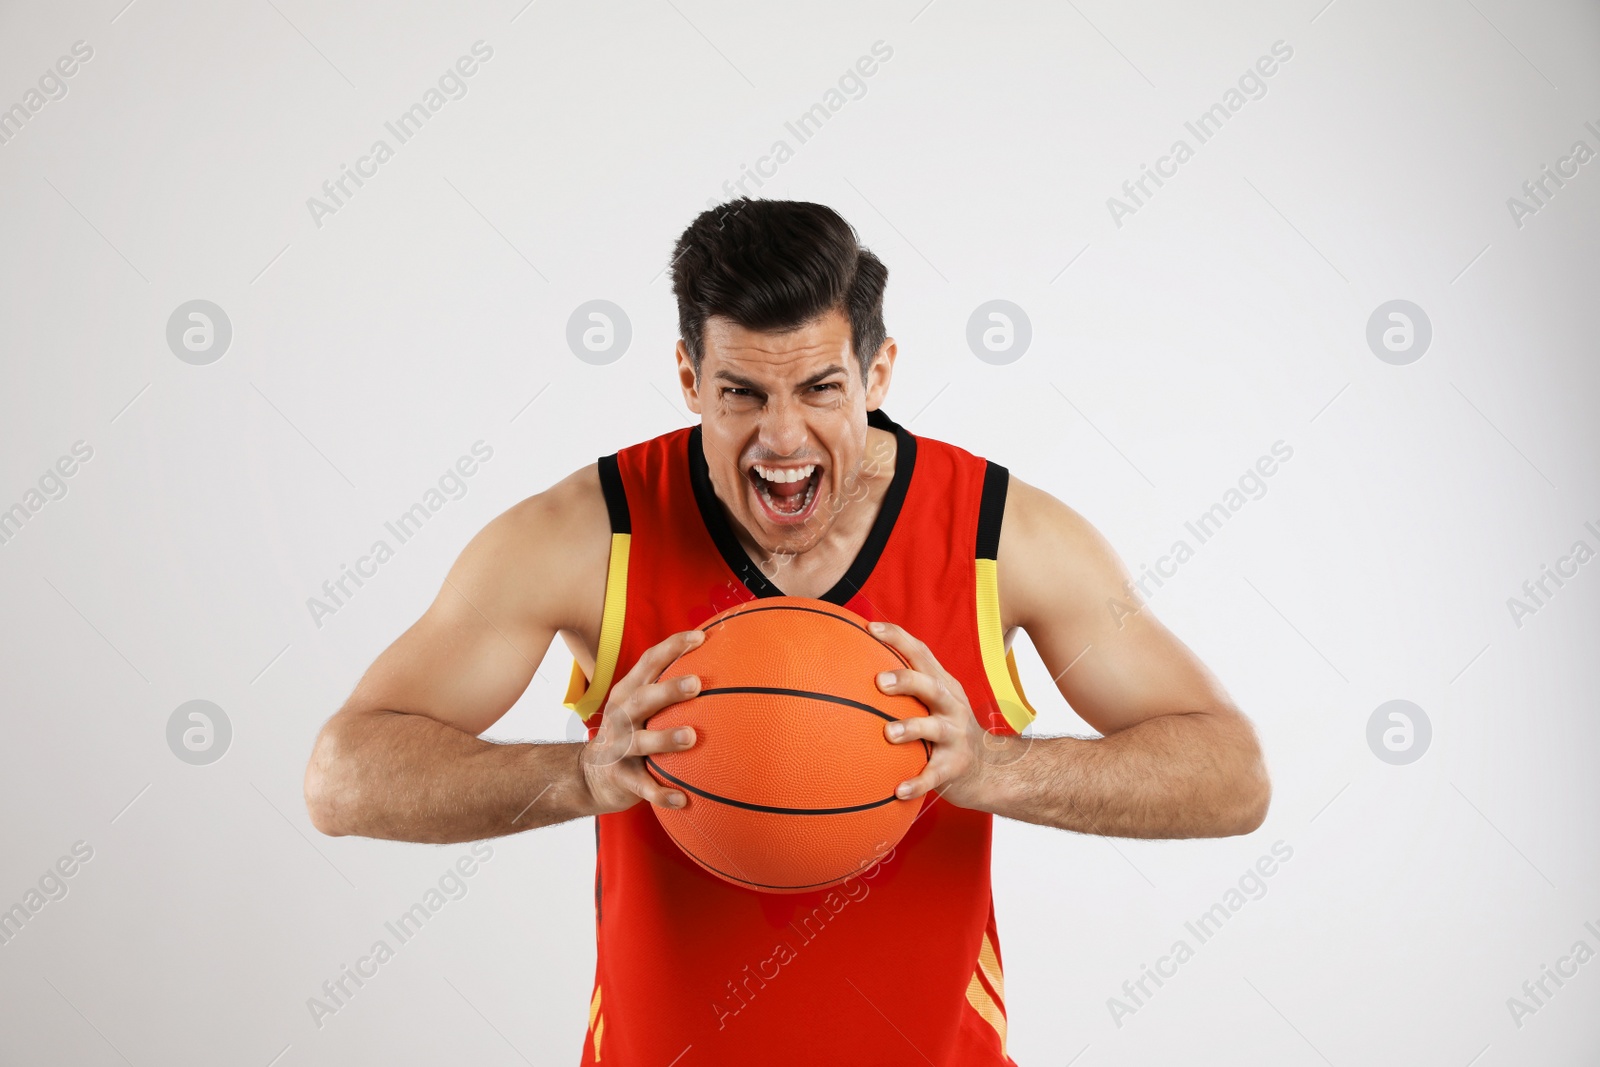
column 819, row 562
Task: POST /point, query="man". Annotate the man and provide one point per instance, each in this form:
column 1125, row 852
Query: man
column 794, row 483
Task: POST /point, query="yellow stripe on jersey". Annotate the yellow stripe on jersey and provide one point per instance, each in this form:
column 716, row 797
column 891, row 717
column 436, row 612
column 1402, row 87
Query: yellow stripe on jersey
column 594, row 1013
column 990, row 962
column 585, row 697
column 985, row 1006
column 998, row 663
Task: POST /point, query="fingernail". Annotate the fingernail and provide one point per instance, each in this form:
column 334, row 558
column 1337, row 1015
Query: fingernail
column 682, row 737
column 886, row 680
column 903, row 791
column 688, row 683
column 876, row 627
column 897, row 730
column 676, row 800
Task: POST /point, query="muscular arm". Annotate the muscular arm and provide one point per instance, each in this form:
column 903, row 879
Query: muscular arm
column 402, row 760
column 1177, row 758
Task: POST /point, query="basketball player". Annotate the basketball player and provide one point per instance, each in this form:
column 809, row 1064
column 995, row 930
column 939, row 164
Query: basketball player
column 795, row 482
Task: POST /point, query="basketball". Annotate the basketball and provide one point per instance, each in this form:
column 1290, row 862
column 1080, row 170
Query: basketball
column 790, row 783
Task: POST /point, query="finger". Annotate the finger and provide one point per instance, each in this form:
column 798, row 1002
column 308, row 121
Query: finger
column 915, row 652
column 920, row 728
column 647, row 788
column 648, row 699
column 911, row 650
column 659, row 656
column 912, row 788
column 932, row 692
column 655, row 742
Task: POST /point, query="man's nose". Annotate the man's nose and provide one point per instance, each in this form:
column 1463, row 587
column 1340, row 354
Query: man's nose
column 783, row 429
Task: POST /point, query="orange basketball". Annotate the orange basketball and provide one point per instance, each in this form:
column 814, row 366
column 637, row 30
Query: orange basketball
column 790, row 783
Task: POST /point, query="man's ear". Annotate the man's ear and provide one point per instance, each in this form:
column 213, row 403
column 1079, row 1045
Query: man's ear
column 687, row 379
column 879, row 373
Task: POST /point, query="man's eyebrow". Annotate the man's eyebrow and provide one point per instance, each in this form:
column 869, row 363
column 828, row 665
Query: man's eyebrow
column 826, row 372
column 735, row 379
column 746, row 383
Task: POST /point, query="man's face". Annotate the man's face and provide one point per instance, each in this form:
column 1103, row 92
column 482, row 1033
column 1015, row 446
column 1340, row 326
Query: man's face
column 784, row 420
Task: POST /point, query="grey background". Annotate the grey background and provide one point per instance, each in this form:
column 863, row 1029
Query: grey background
column 1167, row 354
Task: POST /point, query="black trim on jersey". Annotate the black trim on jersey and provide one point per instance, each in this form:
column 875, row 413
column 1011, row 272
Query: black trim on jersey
column 744, row 568
column 616, row 497
column 991, row 509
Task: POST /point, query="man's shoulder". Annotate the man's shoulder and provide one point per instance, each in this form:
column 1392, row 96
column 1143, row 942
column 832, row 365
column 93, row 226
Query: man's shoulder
column 548, row 552
column 1049, row 553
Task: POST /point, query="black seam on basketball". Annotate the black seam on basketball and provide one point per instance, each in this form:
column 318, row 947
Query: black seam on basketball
column 768, row 808
column 774, row 690
column 706, row 627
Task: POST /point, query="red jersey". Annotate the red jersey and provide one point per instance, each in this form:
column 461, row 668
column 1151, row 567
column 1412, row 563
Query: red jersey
column 899, row 965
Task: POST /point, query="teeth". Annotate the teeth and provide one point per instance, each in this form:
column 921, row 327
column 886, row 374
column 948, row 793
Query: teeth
column 779, row 474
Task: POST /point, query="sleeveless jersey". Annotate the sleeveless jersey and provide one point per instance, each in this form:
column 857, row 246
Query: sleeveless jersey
column 899, row 965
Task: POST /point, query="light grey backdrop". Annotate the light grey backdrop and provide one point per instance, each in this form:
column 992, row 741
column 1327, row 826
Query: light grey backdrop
column 1175, row 339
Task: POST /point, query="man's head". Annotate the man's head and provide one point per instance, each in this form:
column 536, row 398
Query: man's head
column 783, row 353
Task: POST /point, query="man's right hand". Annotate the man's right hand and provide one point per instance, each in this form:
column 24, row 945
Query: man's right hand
column 612, row 761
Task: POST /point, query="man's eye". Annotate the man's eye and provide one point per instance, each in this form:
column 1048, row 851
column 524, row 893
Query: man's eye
column 732, row 390
column 823, row 386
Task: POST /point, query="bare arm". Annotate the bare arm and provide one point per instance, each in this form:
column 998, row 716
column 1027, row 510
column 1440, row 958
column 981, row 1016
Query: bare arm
column 1177, row 758
column 402, row 760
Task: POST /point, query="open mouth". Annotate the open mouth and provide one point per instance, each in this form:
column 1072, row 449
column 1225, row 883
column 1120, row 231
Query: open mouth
column 786, row 494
